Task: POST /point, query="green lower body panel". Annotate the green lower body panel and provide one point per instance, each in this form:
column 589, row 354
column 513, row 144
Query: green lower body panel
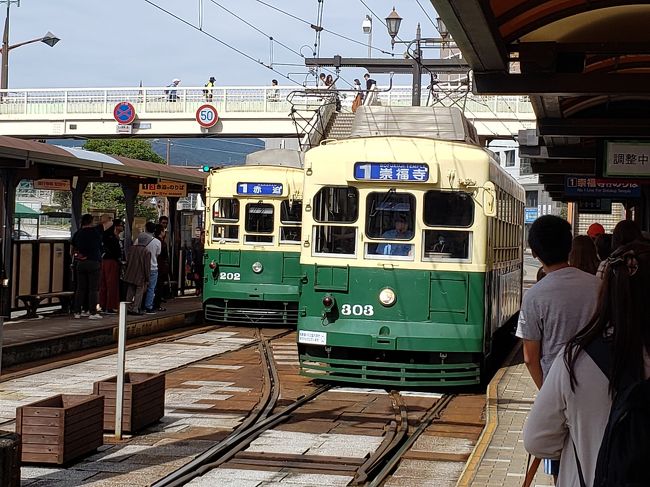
column 249, row 312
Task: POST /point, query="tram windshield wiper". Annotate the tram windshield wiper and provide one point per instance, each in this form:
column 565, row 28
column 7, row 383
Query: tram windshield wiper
column 381, row 204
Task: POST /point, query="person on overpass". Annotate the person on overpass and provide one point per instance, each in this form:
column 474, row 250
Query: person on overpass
column 171, row 92
column 207, row 91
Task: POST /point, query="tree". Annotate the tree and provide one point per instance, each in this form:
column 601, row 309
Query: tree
column 110, row 195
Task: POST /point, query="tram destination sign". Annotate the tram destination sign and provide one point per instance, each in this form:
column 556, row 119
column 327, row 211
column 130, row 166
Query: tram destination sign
column 627, row 159
column 391, row 171
column 600, row 188
column 261, row 189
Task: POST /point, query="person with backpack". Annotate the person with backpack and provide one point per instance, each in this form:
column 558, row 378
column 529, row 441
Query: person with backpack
column 207, row 91
column 593, row 411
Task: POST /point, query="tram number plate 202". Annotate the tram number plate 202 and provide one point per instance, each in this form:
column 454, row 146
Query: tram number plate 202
column 230, row 276
column 357, row 310
column 312, row 337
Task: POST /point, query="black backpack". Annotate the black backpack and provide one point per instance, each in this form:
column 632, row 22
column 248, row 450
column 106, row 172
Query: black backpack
column 624, row 455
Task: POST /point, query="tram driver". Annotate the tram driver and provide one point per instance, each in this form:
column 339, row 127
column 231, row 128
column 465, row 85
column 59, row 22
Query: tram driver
column 400, row 232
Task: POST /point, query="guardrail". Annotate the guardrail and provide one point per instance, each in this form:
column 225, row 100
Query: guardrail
column 184, row 101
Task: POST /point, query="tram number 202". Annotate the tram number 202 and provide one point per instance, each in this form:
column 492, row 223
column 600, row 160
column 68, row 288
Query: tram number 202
column 357, row 310
column 230, row 276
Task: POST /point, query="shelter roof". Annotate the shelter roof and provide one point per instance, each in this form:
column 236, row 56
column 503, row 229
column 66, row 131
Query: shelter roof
column 585, row 64
column 66, row 162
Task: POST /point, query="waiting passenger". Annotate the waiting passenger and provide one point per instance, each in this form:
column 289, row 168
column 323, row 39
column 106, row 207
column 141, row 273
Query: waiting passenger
column 87, row 251
column 604, row 249
column 583, row 254
column 555, row 308
column 572, row 409
column 400, row 232
column 625, row 232
column 595, row 229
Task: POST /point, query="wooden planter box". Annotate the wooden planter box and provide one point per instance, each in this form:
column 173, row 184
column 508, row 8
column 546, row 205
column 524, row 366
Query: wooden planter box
column 144, row 400
column 60, row 428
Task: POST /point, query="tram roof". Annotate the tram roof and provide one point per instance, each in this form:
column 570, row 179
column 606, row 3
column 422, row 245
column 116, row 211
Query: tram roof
column 585, row 65
column 35, row 157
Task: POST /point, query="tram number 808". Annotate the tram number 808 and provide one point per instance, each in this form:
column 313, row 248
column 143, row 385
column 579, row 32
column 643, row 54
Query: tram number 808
column 230, row 276
column 357, row 310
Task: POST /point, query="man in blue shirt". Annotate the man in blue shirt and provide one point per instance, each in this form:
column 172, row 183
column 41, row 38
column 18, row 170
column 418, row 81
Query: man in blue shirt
column 400, row 232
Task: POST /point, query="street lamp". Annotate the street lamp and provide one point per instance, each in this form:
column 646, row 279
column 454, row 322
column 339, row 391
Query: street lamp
column 393, row 22
column 49, row 39
column 367, row 29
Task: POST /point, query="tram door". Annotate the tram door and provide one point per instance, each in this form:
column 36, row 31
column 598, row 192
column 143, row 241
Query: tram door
column 189, row 232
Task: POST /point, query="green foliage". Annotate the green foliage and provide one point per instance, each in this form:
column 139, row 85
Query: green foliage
column 132, row 148
column 109, row 195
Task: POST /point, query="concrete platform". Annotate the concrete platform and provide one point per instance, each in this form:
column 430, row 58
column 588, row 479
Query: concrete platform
column 52, row 334
column 499, row 458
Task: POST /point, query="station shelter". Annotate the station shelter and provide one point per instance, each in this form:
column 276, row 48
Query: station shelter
column 586, row 67
column 31, row 267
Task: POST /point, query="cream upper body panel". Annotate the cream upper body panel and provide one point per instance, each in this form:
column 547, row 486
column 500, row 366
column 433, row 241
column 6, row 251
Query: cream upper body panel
column 257, row 185
column 452, row 166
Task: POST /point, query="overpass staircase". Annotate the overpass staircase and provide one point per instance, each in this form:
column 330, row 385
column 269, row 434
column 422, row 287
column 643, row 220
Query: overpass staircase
column 339, row 125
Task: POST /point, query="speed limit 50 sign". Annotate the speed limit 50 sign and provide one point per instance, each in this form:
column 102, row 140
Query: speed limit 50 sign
column 207, row 116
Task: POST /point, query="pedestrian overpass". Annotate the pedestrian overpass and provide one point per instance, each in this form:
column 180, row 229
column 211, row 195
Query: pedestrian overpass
column 243, row 111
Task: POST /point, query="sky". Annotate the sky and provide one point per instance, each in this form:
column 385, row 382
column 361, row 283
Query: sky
column 119, row 43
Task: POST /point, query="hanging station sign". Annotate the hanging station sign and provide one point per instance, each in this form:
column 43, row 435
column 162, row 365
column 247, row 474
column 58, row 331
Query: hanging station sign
column 627, row 159
column 164, row 188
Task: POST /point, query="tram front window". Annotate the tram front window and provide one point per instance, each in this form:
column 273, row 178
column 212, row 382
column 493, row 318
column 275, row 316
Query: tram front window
column 448, row 209
column 259, row 219
column 390, row 216
column 341, row 205
column 290, row 218
column 225, row 213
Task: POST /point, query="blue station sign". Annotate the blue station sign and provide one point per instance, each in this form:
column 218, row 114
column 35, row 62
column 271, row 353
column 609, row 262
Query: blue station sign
column 261, row 189
column 391, row 171
column 600, row 188
column 530, row 214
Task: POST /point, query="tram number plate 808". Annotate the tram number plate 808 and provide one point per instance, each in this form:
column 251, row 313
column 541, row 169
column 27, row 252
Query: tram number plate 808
column 230, row 276
column 312, row 337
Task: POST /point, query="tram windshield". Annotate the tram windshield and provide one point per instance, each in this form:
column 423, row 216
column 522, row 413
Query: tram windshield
column 259, row 220
column 225, row 211
column 447, row 209
column 335, row 204
column 290, row 219
column 390, row 216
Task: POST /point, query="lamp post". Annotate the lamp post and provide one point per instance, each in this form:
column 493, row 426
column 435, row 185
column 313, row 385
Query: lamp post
column 393, row 22
column 49, row 39
column 367, row 29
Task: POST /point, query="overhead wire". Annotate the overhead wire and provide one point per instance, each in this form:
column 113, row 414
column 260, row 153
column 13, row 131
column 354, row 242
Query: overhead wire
column 224, row 43
column 435, row 26
column 295, row 17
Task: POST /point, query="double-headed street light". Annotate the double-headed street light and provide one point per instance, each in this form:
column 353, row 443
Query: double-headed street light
column 49, row 39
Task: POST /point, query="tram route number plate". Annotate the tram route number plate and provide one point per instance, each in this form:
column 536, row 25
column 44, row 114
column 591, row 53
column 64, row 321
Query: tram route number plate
column 312, row 337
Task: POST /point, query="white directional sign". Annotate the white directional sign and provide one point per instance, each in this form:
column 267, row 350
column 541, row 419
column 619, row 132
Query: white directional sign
column 207, row 116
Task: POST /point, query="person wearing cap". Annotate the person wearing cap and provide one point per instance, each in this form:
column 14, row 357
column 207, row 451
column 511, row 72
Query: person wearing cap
column 207, row 91
column 400, row 232
column 171, row 92
column 109, row 281
column 595, row 229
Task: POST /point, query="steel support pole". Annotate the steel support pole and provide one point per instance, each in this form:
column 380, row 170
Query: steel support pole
column 4, row 79
column 121, row 362
column 417, row 70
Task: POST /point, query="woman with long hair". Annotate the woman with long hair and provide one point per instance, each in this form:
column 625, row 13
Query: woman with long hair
column 571, row 411
column 583, row 254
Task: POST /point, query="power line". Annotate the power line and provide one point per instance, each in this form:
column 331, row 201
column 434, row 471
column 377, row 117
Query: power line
column 271, row 38
column 323, row 28
column 435, row 26
column 238, row 51
column 377, row 17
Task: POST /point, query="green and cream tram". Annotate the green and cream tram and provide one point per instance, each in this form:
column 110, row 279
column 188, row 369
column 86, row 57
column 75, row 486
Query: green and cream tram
column 412, row 259
column 252, row 251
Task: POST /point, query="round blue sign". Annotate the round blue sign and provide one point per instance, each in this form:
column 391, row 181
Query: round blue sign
column 124, row 113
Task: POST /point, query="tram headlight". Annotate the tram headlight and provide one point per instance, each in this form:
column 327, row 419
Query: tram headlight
column 387, row 297
column 213, row 265
column 257, row 267
column 328, row 302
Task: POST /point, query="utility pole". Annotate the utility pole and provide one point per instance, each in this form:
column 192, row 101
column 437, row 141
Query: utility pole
column 417, row 69
column 4, row 80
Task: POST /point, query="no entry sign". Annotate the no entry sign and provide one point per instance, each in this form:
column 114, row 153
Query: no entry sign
column 207, row 116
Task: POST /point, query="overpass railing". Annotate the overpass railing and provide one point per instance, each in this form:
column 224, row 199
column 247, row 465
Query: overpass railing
column 159, row 100
column 184, row 101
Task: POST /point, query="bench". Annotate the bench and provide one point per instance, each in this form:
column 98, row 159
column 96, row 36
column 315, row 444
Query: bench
column 32, row 301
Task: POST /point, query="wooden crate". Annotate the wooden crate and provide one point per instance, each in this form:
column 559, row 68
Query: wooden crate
column 60, row 428
column 144, row 400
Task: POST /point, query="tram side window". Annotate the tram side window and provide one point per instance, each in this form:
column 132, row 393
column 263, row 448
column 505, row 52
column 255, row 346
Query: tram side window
column 448, row 209
column 336, row 204
column 259, row 220
column 339, row 204
column 225, row 213
column 290, row 219
column 390, row 216
column 447, row 244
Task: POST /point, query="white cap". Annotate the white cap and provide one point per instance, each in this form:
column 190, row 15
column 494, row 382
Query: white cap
column 176, row 80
